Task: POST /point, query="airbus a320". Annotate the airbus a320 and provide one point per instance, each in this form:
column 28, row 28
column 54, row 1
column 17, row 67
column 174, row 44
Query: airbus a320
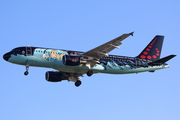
column 72, row 65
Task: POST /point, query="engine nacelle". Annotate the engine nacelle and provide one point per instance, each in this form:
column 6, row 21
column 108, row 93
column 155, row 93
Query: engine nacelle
column 55, row 76
column 71, row 60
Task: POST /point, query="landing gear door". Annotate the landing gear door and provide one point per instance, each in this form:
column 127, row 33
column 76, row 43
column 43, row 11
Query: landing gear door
column 28, row 51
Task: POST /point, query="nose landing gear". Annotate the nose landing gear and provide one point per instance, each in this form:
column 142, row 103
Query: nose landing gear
column 26, row 73
column 27, row 68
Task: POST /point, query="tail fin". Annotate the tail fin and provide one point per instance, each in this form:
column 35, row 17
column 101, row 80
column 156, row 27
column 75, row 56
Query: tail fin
column 153, row 50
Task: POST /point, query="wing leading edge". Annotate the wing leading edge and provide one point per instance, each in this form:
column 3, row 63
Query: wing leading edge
column 103, row 50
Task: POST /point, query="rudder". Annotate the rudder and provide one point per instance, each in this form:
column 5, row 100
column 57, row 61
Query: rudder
column 153, row 50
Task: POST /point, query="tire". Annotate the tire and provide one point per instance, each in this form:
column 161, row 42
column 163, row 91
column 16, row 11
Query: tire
column 26, row 73
column 90, row 73
column 77, row 83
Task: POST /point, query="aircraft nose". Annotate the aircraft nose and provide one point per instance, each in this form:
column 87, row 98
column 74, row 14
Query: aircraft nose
column 6, row 56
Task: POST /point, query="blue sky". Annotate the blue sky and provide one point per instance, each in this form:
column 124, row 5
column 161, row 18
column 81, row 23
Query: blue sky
column 82, row 25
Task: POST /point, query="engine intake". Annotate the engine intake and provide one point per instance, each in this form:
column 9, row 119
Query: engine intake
column 71, row 60
column 55, row 76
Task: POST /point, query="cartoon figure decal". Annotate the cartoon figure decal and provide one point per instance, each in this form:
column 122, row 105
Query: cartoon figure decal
column 44, row 55
column 49, row 54
column 53, row 56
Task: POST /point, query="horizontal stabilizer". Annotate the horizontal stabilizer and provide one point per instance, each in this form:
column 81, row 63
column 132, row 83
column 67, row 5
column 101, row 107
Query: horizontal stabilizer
column 162, row 60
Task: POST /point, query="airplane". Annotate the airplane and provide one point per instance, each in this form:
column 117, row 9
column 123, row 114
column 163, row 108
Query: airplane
column 72, row 65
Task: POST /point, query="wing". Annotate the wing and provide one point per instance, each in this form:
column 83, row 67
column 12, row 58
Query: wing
column 104, row 49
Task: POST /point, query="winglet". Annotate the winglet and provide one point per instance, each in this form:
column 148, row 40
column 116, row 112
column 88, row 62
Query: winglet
column 131, row 33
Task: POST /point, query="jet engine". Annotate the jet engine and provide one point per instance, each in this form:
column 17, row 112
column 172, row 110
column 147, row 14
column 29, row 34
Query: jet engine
column 71, row 60
column 55, row 76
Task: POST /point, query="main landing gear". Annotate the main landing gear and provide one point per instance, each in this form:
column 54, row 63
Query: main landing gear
column 26, row 72
column 90, row 73
column 75, row 77
column 77, row 83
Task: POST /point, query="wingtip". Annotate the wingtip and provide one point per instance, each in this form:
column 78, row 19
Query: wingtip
column 132, row 33
column 173, row 55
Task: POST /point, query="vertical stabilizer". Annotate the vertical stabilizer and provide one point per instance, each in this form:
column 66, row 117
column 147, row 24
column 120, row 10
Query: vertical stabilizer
column 153, row 50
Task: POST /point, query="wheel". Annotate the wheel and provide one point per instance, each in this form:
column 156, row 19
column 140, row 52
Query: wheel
column 26, row 73
column 89, row 73
column 77, row 83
